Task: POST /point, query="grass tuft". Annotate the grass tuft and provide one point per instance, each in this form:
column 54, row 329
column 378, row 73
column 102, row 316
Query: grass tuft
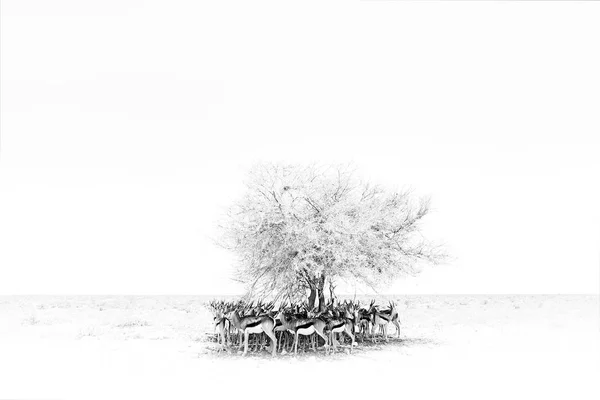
column 32, row 320
column 134, row 323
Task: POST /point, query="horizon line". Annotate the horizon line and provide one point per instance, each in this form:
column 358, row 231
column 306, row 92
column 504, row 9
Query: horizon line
column 340, row 295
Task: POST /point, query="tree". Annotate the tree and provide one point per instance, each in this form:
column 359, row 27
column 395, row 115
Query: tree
column 298, row 228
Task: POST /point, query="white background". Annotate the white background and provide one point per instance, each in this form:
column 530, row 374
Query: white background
column 127, row 127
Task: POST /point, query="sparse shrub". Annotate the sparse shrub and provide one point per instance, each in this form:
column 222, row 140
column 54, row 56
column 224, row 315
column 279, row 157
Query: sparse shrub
column 133, row 323
column 32, row 320
column 197, row 338
column 160, row 338
column 90, row 331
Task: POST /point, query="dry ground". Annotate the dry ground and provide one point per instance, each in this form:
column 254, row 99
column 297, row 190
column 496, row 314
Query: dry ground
column 153, row 347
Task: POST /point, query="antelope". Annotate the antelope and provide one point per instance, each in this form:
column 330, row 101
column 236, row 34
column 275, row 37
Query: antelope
column 285, row 331
column 383, row 318
column 258, row 317
column 342, row 324
column 222, row 327
column 303, row 326
column 352, row 313
column 364, row 319
column 395, row 317
column 280, row 328
column 254, row 324
column 264, row 309
column 221, row 322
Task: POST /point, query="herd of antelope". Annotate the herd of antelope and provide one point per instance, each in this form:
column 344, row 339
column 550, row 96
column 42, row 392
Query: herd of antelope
column 292, row 324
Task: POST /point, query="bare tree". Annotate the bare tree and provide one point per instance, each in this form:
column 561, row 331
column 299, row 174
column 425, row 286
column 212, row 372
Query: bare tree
column 298, row 226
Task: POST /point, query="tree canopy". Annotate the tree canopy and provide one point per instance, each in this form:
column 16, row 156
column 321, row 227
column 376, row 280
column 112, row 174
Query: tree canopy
column 299, row 227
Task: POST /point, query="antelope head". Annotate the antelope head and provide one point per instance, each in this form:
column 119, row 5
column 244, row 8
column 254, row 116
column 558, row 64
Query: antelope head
column 372, row 306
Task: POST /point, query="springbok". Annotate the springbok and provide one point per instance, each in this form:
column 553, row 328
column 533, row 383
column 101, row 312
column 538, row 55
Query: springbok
column 303, row 326
column 340, row 324
column 255, row 324
column 383, row 318
column 365, row 318
column 222, row 327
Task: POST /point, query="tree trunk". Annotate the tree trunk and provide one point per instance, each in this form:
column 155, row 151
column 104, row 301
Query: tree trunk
column 317, row 291
column 312, row 297
column 331, row 291
column 321, row 287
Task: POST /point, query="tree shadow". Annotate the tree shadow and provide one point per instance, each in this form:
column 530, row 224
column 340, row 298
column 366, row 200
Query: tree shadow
column 342, row 352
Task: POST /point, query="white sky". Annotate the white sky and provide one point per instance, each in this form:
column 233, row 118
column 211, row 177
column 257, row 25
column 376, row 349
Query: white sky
column 127, row 127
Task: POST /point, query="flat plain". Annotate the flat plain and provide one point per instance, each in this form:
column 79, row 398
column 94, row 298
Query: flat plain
column 456, row 346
